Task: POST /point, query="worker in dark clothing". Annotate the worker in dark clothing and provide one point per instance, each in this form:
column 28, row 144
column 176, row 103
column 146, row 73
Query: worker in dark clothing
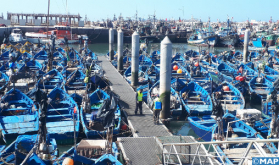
column 139, row 96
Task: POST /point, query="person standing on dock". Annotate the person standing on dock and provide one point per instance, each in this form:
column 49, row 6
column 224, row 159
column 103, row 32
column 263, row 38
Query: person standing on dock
column 139, row 96
column 157, row 107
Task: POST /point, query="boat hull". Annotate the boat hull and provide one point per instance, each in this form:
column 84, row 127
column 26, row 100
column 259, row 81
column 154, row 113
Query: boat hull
column 205, row 134
column 228, row 41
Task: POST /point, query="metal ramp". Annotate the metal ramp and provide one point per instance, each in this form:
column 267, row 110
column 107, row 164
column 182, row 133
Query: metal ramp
column 150, row 151
column 141, row 150
column 184, row 154
column 141, row 125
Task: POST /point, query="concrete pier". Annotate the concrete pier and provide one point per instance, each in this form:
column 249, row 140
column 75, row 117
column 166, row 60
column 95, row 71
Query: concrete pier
column 120, row 50
column 135, row 59
column 165, row 77
column 111, row 41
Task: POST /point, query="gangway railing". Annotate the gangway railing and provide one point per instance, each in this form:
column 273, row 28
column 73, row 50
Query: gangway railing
column 210, row 158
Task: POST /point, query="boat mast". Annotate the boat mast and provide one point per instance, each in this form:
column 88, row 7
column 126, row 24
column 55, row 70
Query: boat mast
column 48, row 17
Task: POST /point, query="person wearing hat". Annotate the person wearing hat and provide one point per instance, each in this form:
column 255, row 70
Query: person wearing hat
column 157, row 107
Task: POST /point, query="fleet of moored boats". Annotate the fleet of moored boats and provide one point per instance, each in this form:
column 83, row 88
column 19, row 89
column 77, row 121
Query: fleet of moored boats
column 51, row 95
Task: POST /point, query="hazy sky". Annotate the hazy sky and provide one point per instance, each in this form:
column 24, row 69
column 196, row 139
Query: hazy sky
column 240, row 10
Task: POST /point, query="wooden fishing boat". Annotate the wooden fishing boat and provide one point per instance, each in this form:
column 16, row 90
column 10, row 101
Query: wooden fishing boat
column 75, row 81
column 20, row 149
column 236, row 130
column 196, row 100
column 260, row 87
column 101, row 111
column 142, row 77
column 175, row 101
column 51, row 79
column 4, row 81
column 202, row 126
column 230, row 97
column 153, row 74
column 145, row 61
column 79, row 153
column 62, row 117
column 178, row 71
column 179, row 58
column 226, row 69
column 19, row 115
column 77, row 98
column 191, row 54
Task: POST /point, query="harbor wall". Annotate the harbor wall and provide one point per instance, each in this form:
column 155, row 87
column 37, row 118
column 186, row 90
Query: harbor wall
column 95, row 35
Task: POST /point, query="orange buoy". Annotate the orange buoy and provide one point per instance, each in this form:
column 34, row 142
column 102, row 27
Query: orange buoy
column 237, row 77
column 196, row 64
column 75, row 110
column 175, row 67
column 124, row 127
column 226, row 88
column 179, row 71
column 216, row 72
column 68, row 161
column 241, row 78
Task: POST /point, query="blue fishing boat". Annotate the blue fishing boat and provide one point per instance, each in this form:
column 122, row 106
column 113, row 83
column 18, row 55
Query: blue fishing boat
column 62, row 117
column 246, row 71
column 237, row 130
column 202, row 126
column 202, row 77
column 202, row 38
column 178, row 71
column 196, row 100
column 268, row 71
column 4, row 81
column 51, row 79
column 175, row 101
column 55, row 64
column 77, row 98
column 33, row 65
column 75, row 81
column 226, row 69
column 98, row 115
column 191, row 54
column 260, row 87
column 42, row 56
column 79, row 154
column 254, row 55
column 6, row 67
column 153, row 74
column 222, row 77
column 178, row 83
column 155, row 55
column 5, row 56
column 20, row 149
column 238, row 56
column 19, row 115
column 230, row 97
column 145, row 61
column 142, row 77
column 179, row 58
column 24, row 56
